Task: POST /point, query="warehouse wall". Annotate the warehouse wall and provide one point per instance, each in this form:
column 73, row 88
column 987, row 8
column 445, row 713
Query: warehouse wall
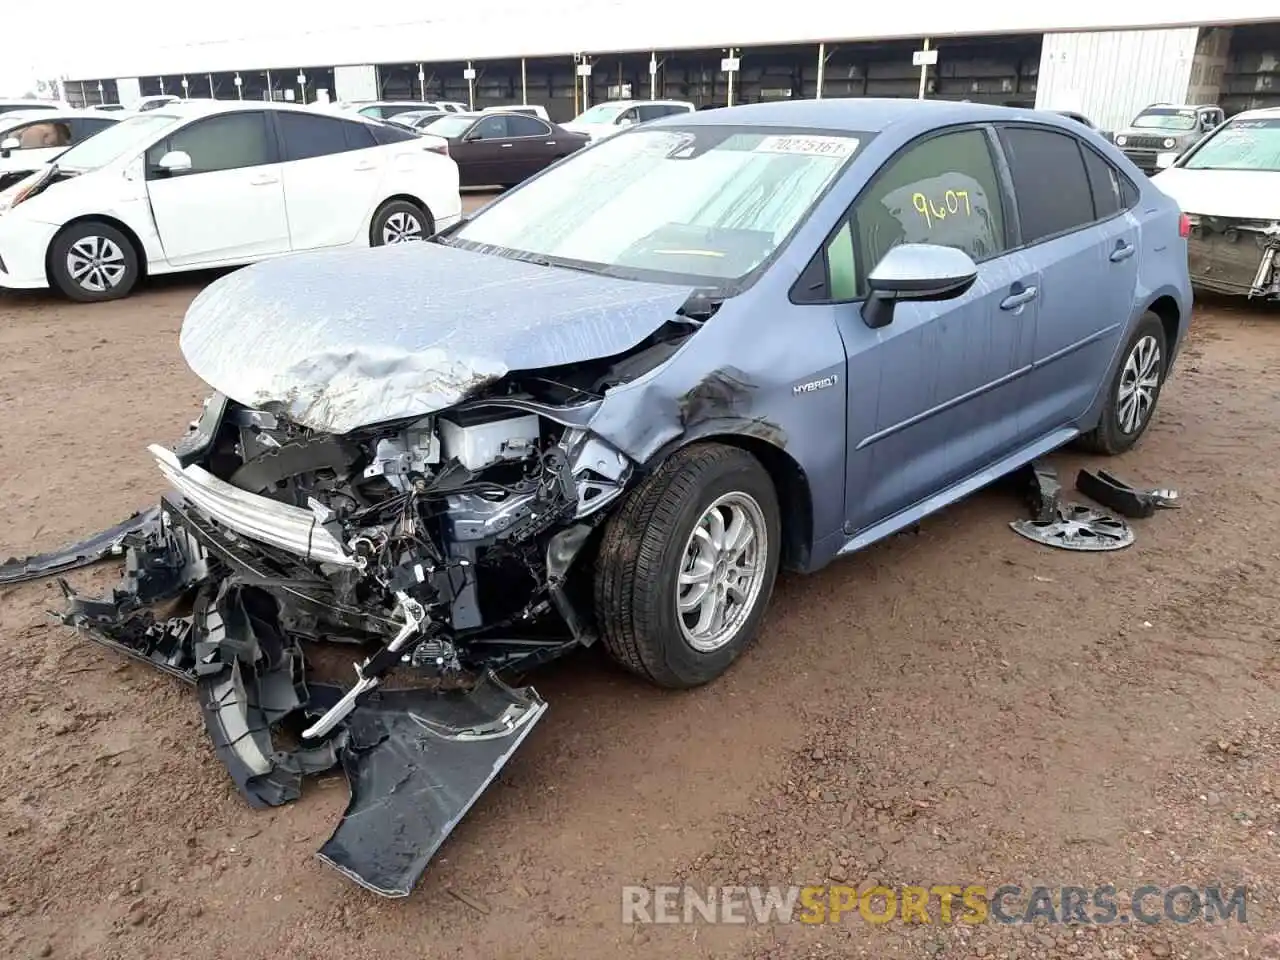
column 236, row 34
column 1209, row 65
column 1111, row 76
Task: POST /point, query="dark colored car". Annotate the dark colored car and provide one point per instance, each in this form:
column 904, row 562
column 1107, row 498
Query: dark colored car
column 502, row 149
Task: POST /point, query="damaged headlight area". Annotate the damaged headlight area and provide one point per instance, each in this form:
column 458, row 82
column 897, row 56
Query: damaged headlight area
column 1233, row 256
column 445, row 546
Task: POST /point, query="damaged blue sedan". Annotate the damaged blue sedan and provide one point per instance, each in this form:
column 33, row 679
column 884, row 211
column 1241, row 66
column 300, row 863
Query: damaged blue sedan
column 607, row 409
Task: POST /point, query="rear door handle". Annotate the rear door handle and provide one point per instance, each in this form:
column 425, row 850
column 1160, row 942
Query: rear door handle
column 361, row 167
column 1123, row 251
column 507, row 146
column 1015, row 300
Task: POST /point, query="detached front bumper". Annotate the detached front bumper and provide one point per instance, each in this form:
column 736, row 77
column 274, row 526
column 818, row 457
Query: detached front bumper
column 1235, row 257
column 416, row 760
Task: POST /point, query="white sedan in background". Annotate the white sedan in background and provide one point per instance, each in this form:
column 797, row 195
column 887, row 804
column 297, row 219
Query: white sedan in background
column 214, row 184
column 1228, row 185
column 30, row 139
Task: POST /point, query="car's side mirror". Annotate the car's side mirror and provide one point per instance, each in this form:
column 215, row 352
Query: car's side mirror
column 625, row 121
column 1165, row 160
column 916, row 272
column 10, row 145
column 175, row 161
column 471, row 137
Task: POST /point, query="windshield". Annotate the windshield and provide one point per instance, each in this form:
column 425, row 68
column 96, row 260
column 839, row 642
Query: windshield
column 601, row 113
column 704, row 202
column 1169, row 119
column 115, row 141
column 449, row 126
column 1241, row 145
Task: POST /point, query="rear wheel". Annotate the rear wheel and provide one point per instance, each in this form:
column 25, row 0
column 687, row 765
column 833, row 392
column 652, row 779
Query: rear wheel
column 1134, row 391
column 687, row 565
column 92, row 261
column 399, row 221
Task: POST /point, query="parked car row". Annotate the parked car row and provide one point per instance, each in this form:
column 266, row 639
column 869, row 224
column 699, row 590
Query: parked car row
column 217, row 183
column 387, row 180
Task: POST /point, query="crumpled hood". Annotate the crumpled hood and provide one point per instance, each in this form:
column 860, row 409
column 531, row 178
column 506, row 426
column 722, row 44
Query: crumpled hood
column 345, row 339
column 1241, row 194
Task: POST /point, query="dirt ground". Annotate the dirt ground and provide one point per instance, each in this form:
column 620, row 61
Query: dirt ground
column 957, row 706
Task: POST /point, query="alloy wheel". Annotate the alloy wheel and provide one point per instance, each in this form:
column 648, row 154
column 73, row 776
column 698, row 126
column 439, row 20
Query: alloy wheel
column 1139, row 382
column 401, row 227
column 96, row 264
column 723, row 572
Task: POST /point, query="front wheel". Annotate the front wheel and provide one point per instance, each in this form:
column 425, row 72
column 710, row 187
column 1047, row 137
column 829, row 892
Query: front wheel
column 93, row 261
column 399, row 221
column 687, row 565
column 1134, row 391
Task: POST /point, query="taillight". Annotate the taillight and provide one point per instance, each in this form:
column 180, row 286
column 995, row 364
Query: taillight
column 1184, row 226
column 442, row 149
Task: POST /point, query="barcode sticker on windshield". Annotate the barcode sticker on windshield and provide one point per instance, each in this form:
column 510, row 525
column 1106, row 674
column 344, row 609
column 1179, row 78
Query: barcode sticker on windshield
column 810, row 146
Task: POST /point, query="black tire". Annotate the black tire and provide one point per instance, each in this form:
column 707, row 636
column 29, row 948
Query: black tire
column 399, row 218
column 646, row 546
column 1112, row 435
column 105, row 262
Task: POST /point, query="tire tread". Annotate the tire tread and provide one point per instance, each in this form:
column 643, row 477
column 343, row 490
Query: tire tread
column 629, row 571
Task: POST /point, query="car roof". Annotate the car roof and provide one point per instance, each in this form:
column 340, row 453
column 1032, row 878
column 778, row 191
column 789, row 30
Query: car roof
column 634, row 103
column 15, row 117
column 864, row 114
column 1261, row 113
column 199, row 108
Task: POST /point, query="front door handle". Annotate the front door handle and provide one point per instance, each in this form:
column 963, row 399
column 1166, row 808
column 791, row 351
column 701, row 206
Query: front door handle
column 507, row 146
column 263, row 180
column 1016, row 300
column 1123, row 251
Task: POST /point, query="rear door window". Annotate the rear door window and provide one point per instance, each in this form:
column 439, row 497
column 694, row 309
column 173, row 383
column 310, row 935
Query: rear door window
column 1049, row 181
column 519, row 125
column 82, row 128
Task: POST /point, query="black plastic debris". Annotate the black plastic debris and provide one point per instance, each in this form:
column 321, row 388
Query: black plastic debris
column 1045, row 492
column 416, row 761
column 107, row 543
column 1113, row 493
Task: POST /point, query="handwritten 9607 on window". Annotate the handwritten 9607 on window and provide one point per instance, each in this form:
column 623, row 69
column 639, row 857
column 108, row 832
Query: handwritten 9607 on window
column 952, row 203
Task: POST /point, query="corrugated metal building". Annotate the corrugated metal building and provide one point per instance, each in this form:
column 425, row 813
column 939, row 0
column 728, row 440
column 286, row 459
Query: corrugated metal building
column 1085, row 56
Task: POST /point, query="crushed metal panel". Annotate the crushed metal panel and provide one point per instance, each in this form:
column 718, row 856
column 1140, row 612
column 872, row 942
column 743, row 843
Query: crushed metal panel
column 416, row 761
column 337, row 340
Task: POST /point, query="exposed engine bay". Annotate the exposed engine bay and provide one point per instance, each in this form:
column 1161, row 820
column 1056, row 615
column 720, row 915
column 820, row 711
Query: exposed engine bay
column 444, row 544
column 1234, row 256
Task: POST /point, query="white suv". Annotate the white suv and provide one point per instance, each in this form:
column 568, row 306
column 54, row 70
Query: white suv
column 606, row 119
column 219, row 183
